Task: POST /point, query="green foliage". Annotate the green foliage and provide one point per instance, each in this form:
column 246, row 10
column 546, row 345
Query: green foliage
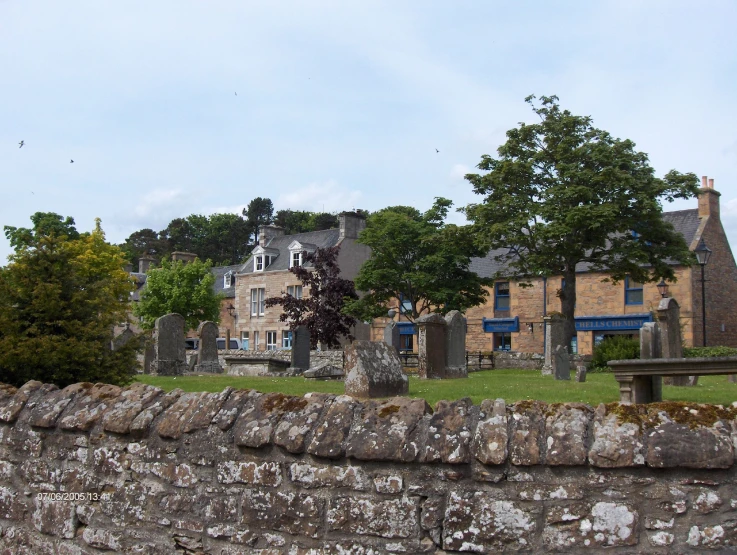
column 60, row 299
column 260, row 211
column 563, row 192
column 186, row 289
column 614, row 348
column 709, row 352
column 419, row 257
column 44, row 224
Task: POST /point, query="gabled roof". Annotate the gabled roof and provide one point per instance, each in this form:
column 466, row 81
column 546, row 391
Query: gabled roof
column 218, row 271
column 685, row 222
column 316, row 239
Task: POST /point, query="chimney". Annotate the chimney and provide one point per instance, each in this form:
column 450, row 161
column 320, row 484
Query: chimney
column 128, row 268
column 144, row 263
column 351, row 224
column 267, row 232
column 708, row 198
column 185, row 257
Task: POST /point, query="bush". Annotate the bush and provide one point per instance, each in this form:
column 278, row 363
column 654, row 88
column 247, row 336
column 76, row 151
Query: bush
column 704, row 352
column 614, row 348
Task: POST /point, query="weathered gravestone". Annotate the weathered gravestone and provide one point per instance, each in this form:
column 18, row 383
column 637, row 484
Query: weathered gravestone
column 373, row 369
column 149, row 354
column 122, row 338
column 431, row 345
column 455, row 346
column 553, row 337
column 324, row 371
column 581, row 373
column 300, row 350
column 561, row 363
column 207, row 353
column 169, row 355
column 671, row 343
column 391, row 335
column 649, row 389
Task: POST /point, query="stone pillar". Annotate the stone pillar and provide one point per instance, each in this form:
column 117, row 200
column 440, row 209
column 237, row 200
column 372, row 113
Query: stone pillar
column 169, row 355
column 207, row 353
column 373, row 369
column 300, row 350
column 671, row 343
column 391, row 335
column 431, row 346
column 553, row 337
column 455, row 345
column 648, row 389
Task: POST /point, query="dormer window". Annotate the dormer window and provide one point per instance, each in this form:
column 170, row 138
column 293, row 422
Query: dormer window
column 296, row 253
column 228, row 280
column 296, row 259
column 262, row 258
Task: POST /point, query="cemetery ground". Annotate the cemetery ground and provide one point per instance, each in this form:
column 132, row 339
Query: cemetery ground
column 511, row 385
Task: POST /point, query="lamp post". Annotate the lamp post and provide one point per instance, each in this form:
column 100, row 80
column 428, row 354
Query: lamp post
column 702, row 255
column 663, row 288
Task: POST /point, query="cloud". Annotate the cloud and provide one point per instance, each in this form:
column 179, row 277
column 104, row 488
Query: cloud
column 157, row 208
column 328, row 196
column 459, row 171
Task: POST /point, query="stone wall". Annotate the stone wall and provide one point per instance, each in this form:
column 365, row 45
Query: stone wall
column 93, row 468
column 332, row 357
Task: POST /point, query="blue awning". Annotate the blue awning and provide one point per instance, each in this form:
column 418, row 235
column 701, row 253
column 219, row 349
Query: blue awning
column 612, row 323
column 406, row 328
column 500, row 325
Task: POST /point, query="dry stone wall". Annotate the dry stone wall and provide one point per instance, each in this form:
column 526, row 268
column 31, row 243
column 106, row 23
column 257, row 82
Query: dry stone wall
column 93, row 469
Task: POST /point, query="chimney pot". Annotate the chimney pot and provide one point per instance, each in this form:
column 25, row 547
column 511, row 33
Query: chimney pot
column 711, row 184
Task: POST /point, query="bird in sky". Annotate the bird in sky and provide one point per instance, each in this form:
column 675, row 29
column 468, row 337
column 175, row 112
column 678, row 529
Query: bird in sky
column 436, row 150
column 236, row 94
column 71, row 161
column 21, row 144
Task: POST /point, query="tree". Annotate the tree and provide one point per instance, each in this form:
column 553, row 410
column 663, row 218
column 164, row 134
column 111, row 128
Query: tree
column 186, row 289
column 563, row 193
column 44, row 224
column 419, row 260
column 144, row 242
column 260, row 212
column 60, row 299
column 322, row 311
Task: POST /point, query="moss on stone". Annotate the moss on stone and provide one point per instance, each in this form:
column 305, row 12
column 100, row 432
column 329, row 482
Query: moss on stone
column 692, row 415
column 387, row 410
column 285, row 403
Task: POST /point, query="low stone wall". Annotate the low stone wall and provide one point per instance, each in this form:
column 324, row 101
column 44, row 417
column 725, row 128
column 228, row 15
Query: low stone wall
column 333, row 357
column 532, row 361
column 136, row 470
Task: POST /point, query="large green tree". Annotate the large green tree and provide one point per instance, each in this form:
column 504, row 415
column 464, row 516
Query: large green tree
column 60, row 300
column 44, row 224
column 260, row 211
column 186, row 289
column 563, row 193
column 418, row 258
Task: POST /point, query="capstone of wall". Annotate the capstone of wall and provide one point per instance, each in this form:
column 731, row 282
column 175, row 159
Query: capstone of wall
column 137, row 470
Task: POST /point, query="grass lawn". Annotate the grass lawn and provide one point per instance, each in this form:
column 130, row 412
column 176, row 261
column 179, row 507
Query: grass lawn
column 511, row 385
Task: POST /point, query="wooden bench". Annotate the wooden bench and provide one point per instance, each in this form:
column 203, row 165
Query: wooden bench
column 638, row 381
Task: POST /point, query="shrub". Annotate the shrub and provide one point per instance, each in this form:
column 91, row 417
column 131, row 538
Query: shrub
column 614, row 348
column 703, row 352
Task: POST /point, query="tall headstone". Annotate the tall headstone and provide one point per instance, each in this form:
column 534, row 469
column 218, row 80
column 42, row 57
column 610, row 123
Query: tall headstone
column 300, row 349
column 561, row 363
column 373, row 369
column 169, row 356
column 455, row 345
column 207, row 353
column 671, row 343
column 553, row 337
column 391, row 335
column 122, row 338
column 649, row 389
column 431, row 346
column 149, row 354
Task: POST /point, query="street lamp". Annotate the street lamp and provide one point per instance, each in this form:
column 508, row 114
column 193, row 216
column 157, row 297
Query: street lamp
column 663, row 288
column 702, row 255
column 230, row 309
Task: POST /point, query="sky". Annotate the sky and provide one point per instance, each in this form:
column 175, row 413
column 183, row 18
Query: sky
column 179, row 107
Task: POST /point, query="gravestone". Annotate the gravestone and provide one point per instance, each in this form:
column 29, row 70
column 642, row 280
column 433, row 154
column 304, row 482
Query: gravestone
column 671, row 343
column 207, row 353
column 391, row 335
column 324, row 371
column 431, row 356
column 149, row 354
column 455, row 346
column 373, row 369
column 649, row 389
column 561, row 363
column 169, row 356
column 581, row 373
column 300, row 349
column 553, row 337
column 122, row 338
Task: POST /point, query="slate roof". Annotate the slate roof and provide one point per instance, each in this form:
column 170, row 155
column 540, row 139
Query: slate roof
column 218, row 271
column 318, row 239
column 685, row 222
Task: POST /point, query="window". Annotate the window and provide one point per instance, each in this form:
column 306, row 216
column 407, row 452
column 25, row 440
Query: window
column 405, row 304
column 632, row 291
column 296, row 259
column 295, row 291
column 503, row 341
column 255, row 341
column 574, row 345
column 228, row 280
column 405, row 342
column 286, row 339
column 271, row 341
column 261, row 261
column 244, row 340
column 257, row 301
column 501, row 295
